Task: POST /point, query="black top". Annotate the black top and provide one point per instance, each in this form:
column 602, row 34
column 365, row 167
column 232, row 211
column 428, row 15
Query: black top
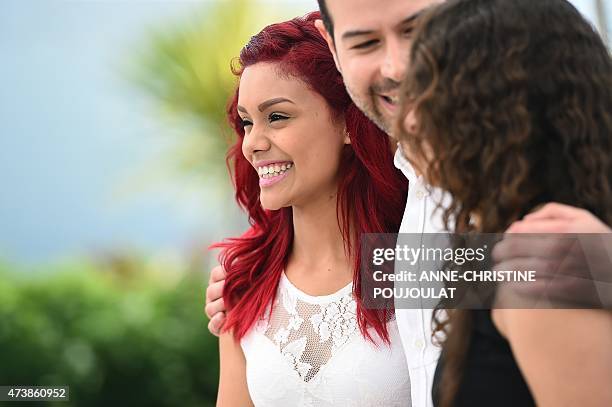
column 491, row 376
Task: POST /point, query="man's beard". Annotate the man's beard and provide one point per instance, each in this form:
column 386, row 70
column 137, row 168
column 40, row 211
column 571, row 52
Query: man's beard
column 368, row 104
column 368, row 107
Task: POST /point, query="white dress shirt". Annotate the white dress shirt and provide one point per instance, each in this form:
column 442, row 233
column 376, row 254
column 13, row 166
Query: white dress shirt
column 415, row 326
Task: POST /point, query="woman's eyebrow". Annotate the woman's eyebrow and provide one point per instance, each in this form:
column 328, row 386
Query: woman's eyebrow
column 272, row 102
column 263, row 106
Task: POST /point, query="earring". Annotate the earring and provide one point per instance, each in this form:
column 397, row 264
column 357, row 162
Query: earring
column 347, row 135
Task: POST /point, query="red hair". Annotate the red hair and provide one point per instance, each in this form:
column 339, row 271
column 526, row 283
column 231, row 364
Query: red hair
column 371, row 191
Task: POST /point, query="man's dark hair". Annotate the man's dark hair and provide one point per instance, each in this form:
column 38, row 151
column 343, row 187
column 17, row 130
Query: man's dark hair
column 327, row 20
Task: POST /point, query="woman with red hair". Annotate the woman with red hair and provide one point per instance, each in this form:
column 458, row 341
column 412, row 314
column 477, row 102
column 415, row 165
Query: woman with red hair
column 313, row 173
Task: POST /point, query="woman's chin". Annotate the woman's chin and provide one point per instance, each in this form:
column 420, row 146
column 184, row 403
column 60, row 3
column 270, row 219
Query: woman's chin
column 272, row 206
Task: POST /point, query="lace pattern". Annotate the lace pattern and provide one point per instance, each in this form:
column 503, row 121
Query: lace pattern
column 307, row 334
column 309, row 352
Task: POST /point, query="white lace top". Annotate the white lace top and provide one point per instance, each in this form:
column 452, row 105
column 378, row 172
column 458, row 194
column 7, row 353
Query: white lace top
column 310, row 352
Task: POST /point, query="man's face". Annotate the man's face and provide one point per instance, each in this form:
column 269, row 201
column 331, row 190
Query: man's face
column 371, row 47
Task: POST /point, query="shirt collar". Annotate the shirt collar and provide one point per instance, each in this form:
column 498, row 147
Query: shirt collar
column 401, row 163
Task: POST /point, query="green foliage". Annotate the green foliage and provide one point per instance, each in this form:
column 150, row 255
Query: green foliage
column 183, row 65
column 185, row 68
column 140, row 340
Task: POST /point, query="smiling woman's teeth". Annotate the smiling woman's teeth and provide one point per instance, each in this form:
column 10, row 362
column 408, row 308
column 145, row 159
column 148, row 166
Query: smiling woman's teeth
column 275, row 170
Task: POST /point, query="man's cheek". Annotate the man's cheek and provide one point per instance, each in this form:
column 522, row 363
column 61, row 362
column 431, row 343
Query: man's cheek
column 355, row 67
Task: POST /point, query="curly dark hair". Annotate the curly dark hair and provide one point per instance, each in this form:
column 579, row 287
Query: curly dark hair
column 513, row 108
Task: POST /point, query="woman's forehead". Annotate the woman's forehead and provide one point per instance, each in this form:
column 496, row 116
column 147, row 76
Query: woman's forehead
column 265, row 81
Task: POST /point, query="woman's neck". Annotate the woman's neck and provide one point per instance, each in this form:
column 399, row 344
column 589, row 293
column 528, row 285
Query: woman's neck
column 318, row 244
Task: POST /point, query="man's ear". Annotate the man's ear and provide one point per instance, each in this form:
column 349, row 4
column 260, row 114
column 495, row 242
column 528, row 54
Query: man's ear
column 329, row 40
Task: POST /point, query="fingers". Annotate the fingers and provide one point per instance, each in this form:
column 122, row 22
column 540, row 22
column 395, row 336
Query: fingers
column 217, row 274
column 524, row 246
column 558, row 283
column 540, row 266
column 215, row 305
column 582, row 222
column 212, row 308
column 555, row 211
column 216, row 282
column 214, row 291
column 540, row 226
column 216, row 323
column 562, row 273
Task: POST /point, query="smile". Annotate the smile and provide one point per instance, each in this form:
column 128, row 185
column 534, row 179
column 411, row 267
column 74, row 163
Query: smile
column 273, row 173
column 390, row 102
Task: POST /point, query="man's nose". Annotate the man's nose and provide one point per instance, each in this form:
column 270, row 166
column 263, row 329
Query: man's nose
column 396, row 61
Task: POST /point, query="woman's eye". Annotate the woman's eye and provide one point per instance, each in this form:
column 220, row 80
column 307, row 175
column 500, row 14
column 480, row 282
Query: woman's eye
column 246, row 123
column 276, row 116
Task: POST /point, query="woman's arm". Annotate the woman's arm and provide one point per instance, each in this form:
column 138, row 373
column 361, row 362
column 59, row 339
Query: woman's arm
column 564, row 355
column 233, row 391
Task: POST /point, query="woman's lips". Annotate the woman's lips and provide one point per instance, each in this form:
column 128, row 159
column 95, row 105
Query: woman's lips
column 267, row 182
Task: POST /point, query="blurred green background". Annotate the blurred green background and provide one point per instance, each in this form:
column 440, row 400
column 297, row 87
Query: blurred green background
column 112, row 145
column 114, row 186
